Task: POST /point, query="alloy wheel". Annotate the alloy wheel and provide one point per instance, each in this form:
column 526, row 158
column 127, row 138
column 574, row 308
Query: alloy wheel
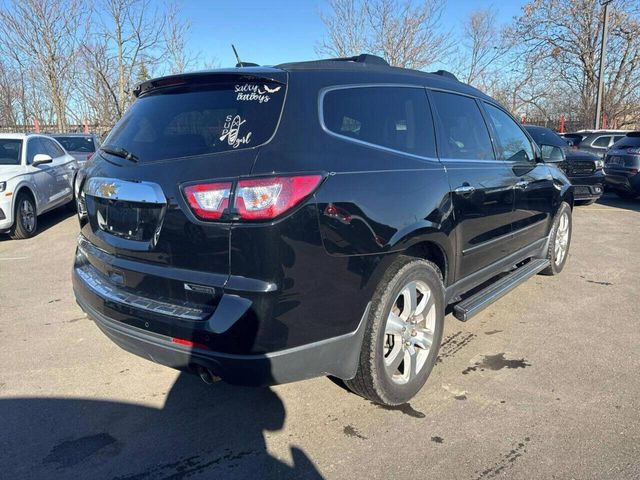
column 562, row 239
column 27, row 216
column 409, row 332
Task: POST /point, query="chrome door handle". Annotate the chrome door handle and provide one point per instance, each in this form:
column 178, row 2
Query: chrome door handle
column 522, row 184
column 465, row 190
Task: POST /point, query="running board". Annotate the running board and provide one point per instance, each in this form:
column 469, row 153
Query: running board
column 469, row 307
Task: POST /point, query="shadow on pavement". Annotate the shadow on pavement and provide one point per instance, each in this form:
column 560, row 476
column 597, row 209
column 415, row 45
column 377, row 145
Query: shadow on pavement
column 612, row 200
column 202, row 431
column 47, row 220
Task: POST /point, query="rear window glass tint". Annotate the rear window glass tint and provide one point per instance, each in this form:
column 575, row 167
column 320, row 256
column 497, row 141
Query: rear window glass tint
column 392, row 117
column 628, row 142
column 463, row 130
column 601, row 142
column 183, row 121
column 77, row 144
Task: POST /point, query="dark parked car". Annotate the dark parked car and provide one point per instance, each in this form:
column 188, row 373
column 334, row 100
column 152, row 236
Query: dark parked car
column 584, row 169
column 271, row 224
column 81, row 146
column 622, row 164
column 598, row 141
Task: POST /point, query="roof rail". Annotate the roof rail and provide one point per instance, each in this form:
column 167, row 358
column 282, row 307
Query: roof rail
column 446, row 74
column 365, row 58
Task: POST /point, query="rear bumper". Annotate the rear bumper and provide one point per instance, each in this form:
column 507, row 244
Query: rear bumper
column 623, row 181
column 337, row 356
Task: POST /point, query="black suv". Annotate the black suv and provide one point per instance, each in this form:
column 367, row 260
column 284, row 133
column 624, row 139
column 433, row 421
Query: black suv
column 584, row 169
column 270, row 224
column 622, row 165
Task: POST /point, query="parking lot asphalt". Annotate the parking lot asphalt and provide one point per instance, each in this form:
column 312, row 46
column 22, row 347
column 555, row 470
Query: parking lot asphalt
column 543, row 384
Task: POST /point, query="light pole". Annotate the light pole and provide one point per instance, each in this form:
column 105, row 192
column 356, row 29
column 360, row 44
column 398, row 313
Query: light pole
column 603, row 49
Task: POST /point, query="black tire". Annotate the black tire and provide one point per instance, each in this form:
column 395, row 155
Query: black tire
column 23, row 228
column 372, row 380
column 626, row 195
column 586, row 202
column 557, row 264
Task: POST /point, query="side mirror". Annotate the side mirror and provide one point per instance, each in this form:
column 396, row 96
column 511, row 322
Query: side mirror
column 41, row 158
column 552, row 154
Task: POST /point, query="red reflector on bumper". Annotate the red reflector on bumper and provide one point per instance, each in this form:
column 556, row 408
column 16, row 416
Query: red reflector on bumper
column 189, row 343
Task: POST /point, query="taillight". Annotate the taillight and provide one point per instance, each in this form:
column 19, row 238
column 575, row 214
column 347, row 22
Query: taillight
column 208, row 200
column 254, row 199
column 266, row 198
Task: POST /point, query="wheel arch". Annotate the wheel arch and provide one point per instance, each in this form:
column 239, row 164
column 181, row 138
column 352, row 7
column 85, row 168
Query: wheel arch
column 25, row 188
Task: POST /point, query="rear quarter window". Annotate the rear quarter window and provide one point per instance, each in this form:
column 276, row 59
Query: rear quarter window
column 187, row 121
column 397, row 118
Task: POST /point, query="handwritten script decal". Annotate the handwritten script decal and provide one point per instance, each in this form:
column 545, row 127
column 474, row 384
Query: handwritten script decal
column 231, row 132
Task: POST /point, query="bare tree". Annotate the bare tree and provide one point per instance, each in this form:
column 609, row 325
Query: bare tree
column 132, row 33
column 46, row 35
column 566, row 35
column 406, row 34
column 179, row 58
column 481, row 47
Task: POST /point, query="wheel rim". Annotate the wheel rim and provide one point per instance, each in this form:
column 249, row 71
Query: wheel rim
column 27, row 216
column 409, row 332
column 562, row 239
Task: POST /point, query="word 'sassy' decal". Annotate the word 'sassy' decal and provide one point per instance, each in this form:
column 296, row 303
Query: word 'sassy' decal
column 250, row 92
column 231, row 132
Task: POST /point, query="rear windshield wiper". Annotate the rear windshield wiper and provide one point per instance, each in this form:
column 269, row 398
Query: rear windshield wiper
column 119, row 152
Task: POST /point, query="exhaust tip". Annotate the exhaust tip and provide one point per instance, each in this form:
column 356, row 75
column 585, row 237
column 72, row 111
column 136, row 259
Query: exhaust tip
column 207, row 376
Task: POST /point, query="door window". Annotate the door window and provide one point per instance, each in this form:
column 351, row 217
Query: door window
column 392, row 117
column 513, row 144
column 463, row 132
column 52, row 148
column 601, row 142
column 34, row 147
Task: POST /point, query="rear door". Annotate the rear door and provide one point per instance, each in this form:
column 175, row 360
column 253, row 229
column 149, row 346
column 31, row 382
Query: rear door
column 43, row 175
column 205, row 128
column 64, row 167
column 481, row 185
column 534, row 190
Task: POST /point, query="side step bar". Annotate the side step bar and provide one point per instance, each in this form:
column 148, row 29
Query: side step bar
column 470, row 306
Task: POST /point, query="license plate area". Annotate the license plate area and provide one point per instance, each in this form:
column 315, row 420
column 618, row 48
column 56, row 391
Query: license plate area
column 128, row 220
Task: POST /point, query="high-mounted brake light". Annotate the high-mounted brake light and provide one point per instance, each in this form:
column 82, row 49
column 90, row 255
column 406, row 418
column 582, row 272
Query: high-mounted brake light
column 208, row 200
column 266, row 198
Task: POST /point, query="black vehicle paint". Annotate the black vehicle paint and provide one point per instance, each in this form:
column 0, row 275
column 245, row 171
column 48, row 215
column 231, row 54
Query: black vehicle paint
column 286, row 298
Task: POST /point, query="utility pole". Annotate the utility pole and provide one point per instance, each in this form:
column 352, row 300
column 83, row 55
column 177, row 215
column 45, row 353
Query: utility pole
column 603, row 49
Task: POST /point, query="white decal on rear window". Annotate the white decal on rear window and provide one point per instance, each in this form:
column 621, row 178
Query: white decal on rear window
column 231, row 132
column 250, row 92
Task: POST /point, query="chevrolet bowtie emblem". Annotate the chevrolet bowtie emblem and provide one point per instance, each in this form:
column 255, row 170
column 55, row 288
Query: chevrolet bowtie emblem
column 108, row 190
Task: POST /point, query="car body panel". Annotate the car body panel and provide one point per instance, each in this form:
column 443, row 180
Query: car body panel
column 259, row 289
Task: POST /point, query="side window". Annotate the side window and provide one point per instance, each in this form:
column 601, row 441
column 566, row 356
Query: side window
column 601, row 142
column 513, row 144
column 51, row 148
column 617, row 137
column 393, row 117
column 33, row 148
column 464, row 134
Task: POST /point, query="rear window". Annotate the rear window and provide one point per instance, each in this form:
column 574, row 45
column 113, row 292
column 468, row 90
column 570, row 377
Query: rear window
column 391, row 117
column 601, row 142
column 77, row 144
column 629, row 141
column 10, row 151
column 544, row 136
column 188, row 121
